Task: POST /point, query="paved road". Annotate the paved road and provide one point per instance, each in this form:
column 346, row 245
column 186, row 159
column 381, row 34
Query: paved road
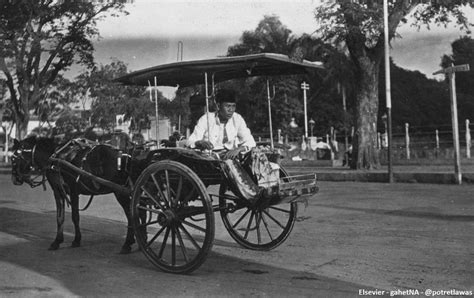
column 350, row 237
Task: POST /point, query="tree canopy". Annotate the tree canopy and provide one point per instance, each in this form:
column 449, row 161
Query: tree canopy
column 463, row 53
column 41, row 39
column 271, row 35
column 110, row 99
column 356, row 29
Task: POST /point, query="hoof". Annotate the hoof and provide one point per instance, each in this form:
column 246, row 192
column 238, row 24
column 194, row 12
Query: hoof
column 125, row 250
column 75, row 244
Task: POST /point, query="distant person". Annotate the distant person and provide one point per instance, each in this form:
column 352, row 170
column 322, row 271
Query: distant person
column 347, row 157
column 227, row 129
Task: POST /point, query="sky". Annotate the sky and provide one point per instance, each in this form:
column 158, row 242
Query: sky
column 150, row 34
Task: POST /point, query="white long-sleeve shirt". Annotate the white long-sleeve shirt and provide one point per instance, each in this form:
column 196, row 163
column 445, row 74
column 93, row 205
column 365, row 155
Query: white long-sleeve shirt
column 228, row 135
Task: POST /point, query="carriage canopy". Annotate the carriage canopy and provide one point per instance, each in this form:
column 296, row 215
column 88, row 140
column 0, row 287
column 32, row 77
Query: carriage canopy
column 188, row 73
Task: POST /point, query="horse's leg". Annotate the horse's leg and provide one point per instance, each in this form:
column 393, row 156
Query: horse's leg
column 75, row 218
column 60, row 202
column 124, row 201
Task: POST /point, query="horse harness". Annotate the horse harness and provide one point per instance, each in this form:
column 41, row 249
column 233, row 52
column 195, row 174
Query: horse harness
column 32, row 182
column 68, row 151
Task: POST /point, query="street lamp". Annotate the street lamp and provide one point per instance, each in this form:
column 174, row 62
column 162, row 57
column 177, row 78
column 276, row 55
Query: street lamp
column 311, row 124
column 305, row 86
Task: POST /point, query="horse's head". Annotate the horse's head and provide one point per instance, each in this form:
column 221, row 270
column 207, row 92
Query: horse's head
column 22, row 160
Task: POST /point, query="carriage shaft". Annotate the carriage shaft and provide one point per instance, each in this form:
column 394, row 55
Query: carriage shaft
column 113, row 186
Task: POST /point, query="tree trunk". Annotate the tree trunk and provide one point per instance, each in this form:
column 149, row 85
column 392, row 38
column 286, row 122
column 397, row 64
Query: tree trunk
column 364, row 144
column 21, row 112
column 22, row 127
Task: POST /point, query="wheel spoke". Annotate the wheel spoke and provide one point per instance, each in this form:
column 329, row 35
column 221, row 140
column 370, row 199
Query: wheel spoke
column 180, row 187
column 266, row 226
column 181, row 244
column 147, row 223
column 157, row 184
column 257, row 222
column 156, row 211
column 150, row 196
column 248, row 226
column 276, row 221
column 190, row 237
column 240, row 219
column 163, row 244
column 154, row 237
column 173, row 246
column 279, row 209
column 194, row 226
column 167, row 180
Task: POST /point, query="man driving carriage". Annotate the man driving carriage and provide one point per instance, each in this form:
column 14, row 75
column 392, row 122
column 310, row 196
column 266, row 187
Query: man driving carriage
column 227, row 129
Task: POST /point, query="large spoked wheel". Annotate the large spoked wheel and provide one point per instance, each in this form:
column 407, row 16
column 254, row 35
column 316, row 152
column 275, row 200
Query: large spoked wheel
column 172, row 217
column 256, row 226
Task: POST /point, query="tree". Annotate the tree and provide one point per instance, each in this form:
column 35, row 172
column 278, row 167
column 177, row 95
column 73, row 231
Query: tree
column 417, row 100
column 108, row 98
column 356, row 27
column 138, row 111
column 3, row 101
column 463, row 53
column 271, row 36
column 41, row 39
column 57, row 99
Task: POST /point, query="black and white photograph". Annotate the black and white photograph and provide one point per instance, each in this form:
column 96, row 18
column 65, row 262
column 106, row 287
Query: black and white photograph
column 236, row 148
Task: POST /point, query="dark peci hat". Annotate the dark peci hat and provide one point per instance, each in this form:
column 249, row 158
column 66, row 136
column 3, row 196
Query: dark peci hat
column 225, row 95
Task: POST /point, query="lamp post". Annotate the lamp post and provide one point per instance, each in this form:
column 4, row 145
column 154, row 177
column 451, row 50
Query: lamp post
column 305, row 86
column 344, row 108
column 311, row 125
column 388, row 94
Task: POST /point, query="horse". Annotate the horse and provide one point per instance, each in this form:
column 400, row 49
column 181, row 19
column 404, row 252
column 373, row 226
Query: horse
column 104, row 161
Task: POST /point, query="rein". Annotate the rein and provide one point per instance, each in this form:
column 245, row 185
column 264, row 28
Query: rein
column 34, row 182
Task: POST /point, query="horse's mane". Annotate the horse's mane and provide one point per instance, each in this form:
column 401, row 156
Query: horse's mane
column 47, row 144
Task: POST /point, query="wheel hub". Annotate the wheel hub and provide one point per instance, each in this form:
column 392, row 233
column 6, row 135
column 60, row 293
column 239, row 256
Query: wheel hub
column 166, row 218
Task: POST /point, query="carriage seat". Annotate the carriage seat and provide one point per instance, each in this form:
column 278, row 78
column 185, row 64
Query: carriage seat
column 253, row 176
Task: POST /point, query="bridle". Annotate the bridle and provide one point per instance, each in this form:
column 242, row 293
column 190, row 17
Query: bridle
column 35, row 181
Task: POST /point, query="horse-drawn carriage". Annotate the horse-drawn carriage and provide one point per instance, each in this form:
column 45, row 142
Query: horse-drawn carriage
column 174, row 192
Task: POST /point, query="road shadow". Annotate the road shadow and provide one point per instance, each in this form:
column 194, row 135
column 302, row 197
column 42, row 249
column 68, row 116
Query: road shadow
column 404, row 213
column 96, row 268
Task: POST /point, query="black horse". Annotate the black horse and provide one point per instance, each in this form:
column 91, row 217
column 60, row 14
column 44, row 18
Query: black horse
column 103, row 161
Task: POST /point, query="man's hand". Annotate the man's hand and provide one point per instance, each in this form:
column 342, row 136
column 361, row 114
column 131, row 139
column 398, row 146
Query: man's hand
column 204, row 145
column 232, row 154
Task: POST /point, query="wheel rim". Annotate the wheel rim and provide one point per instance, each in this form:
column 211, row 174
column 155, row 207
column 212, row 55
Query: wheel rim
column 172, row 217
column 257, row 227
